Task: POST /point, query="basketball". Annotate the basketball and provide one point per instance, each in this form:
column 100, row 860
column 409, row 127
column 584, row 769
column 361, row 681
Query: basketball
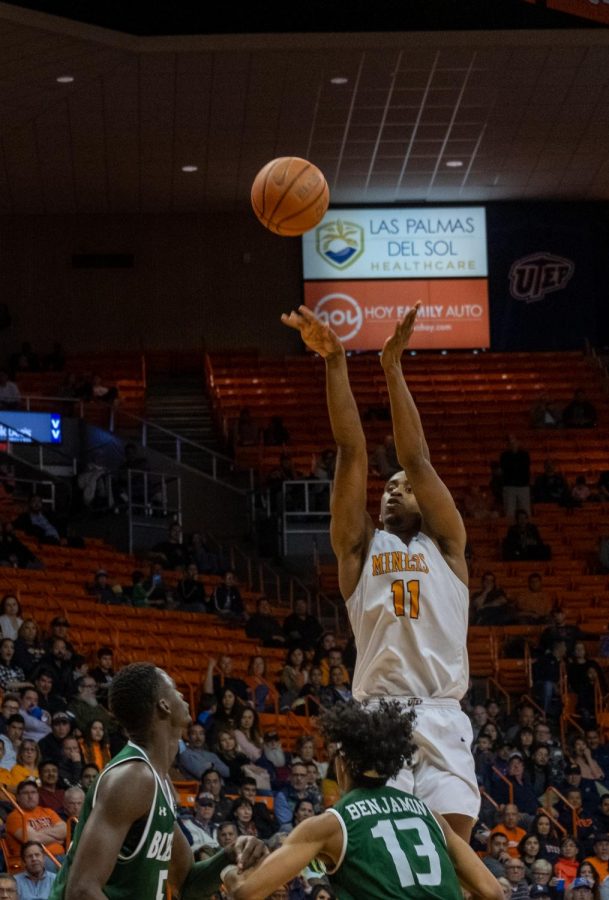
column 290, row 196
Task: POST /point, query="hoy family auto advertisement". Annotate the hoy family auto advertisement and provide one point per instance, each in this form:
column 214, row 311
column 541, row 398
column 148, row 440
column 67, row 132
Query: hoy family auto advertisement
column 364, row 268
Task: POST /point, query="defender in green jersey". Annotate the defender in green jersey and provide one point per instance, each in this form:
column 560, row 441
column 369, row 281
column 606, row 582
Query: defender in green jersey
column 377, row 843
column 127, row 844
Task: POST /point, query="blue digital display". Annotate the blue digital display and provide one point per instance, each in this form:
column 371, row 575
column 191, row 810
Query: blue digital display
column 17, row 427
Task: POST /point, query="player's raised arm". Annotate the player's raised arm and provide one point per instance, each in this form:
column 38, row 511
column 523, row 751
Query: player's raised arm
column 351, row 527
column 437, row 506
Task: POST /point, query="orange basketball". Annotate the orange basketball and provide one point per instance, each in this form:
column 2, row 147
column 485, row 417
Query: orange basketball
column 290, row 196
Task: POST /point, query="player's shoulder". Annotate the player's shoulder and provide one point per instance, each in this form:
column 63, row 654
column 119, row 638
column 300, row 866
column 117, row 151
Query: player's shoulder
column 133, row 780
column 136, row 770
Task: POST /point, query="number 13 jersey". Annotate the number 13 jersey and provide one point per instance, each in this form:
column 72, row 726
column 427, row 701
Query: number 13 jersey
column 409, row 615
column 393, row 848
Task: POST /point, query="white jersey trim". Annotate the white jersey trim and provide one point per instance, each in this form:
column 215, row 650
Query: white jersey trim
column 345, row 841
column 157, row 783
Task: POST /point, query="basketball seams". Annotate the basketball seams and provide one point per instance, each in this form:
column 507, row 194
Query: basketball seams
column 287, row 189
column 282, row 223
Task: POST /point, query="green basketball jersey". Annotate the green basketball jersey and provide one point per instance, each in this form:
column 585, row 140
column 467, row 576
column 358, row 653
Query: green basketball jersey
column 141, row 869
column 393, row 848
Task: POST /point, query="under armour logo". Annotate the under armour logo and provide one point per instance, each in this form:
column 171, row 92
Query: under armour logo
column 162, row 811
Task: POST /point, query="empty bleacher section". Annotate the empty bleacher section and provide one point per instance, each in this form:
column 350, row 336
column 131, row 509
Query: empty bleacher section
column 126, row 371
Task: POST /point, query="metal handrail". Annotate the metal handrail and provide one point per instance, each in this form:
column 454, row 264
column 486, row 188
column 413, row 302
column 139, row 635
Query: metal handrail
column 555, row 790
column 213, row 454
column 146, row 425
column 14, row 479
column 16, row 806
column 510, row 786
column 498, row 687
column 234, row 552
column 320, row 596
column 29, row 397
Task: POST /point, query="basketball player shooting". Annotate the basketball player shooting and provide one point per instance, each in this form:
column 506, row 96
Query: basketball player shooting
column 405, row 583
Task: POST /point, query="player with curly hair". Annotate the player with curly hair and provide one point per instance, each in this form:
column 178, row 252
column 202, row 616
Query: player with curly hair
column 377, row 842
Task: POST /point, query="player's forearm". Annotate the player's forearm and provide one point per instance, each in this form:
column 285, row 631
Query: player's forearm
column 84, row 890
column 342, row 408
column 410, row 444
column 204, row 877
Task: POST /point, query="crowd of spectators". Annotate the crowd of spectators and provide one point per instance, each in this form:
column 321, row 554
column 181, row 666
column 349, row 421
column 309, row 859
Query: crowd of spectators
column 56, row 734
column 544, row 825
column 544, row 819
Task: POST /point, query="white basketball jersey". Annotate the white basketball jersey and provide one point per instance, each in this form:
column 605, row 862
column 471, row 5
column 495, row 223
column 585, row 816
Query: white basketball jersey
column 409, row 615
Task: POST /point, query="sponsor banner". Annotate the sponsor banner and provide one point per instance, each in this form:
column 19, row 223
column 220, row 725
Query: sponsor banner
column 391, row 243
column 598, row 10
column 453, row 315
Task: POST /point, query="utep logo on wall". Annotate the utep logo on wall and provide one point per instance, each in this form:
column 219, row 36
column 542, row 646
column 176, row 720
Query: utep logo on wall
column 534, row 276
column 342, row 313
column 339, row 243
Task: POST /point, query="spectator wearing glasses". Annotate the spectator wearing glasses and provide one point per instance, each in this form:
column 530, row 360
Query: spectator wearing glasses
column 541, row 872
column 287, row 798
column 515, row 874
column 201, row 830
column 85, row 708
column 8, row 887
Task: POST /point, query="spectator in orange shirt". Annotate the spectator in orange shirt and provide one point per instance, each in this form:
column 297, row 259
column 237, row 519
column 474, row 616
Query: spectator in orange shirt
column 600, row 860
column 510, row 828
column 41, row 824
column 568, row 862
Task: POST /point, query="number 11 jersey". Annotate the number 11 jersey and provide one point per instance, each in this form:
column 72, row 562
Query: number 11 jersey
column 409, row 616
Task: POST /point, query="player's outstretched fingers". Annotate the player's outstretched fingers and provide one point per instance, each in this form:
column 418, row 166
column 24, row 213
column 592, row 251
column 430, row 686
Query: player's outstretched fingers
column 306, row 313
column 292, row 320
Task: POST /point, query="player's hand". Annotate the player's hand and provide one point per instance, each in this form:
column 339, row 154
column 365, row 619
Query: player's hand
column 248, row 851
column 396, row 344
column 316, row 335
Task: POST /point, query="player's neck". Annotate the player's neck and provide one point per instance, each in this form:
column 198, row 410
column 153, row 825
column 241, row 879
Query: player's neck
column 404, row 531
column 160, row 748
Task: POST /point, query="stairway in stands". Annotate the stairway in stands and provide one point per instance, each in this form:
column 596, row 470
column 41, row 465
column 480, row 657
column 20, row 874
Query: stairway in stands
column 179, row 404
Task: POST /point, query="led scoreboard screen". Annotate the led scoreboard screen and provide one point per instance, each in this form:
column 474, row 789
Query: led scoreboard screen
column 364, row 268
column 20, row 427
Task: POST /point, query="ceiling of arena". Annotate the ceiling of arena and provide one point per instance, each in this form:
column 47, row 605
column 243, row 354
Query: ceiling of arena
column 514, row 107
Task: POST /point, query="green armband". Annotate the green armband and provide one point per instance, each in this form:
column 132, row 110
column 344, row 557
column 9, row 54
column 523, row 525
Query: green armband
column 204, row 877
